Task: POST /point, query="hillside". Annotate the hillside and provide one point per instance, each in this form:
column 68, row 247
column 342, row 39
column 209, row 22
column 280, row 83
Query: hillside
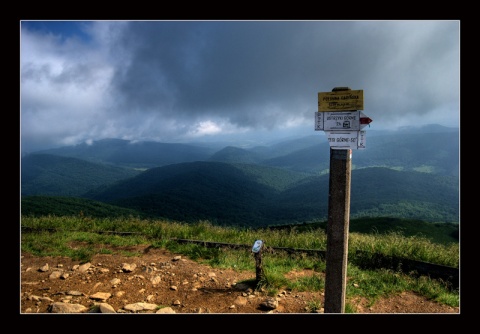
column 45, row 174
column 436, row 152
column 192, row 191
column 59, row 206
column 39, row 206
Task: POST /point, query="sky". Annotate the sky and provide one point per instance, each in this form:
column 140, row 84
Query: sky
column 244, row 81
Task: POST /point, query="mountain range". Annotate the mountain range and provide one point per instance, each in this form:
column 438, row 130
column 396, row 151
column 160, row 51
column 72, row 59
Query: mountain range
column 413, row 173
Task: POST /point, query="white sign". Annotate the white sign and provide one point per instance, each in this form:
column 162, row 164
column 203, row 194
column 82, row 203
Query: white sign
column 256, row 246
column 341, row 121
column 319, row 121
column 338, row 120
column 345, row 140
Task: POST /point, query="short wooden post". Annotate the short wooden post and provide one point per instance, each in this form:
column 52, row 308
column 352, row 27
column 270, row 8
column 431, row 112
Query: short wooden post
column 257, row 252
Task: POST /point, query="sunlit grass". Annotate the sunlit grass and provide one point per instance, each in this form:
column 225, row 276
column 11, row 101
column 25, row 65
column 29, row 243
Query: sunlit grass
column 80, row 238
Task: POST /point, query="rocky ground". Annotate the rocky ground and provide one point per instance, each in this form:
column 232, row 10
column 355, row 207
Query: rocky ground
column 161, row 282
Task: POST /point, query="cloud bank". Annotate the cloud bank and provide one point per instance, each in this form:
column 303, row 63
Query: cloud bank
column 177, row 81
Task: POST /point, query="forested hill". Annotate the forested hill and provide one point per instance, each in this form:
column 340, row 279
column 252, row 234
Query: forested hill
column 228, row 195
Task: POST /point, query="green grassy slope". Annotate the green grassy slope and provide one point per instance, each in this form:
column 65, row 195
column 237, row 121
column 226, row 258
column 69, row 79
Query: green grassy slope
column 443, row 233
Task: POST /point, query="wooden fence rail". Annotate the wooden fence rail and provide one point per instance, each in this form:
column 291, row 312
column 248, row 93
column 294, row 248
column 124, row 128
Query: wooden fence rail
column 366, row 260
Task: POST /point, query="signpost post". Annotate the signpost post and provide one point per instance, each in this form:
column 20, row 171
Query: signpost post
column 339, row 116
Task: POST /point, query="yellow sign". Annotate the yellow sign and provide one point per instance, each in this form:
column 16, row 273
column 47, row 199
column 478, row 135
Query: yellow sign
column 343, row 100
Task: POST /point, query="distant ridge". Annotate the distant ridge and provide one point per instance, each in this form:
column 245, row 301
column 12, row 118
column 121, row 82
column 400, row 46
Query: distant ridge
column 133, row 154
column 233, row 154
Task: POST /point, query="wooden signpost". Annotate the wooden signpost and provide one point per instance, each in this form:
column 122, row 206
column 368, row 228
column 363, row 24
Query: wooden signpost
column 342, row 125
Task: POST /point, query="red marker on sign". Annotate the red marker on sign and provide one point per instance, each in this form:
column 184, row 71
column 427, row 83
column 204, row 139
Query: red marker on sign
column 365, row 120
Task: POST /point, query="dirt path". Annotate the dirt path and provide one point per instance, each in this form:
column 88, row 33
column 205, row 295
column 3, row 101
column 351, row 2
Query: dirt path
column 167, row 280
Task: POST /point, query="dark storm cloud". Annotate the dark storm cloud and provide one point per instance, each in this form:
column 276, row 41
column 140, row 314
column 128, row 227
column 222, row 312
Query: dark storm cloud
column 240, row 70
column 178, row 80
column 237, row 70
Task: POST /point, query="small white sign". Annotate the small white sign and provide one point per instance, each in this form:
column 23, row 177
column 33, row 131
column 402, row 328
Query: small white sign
column 341, row 121
column 319, row 121
column 362, row 139
column 257, row 246
column 344, row 140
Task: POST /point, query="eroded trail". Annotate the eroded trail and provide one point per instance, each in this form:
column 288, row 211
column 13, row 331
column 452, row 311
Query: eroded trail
column 163, row 279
